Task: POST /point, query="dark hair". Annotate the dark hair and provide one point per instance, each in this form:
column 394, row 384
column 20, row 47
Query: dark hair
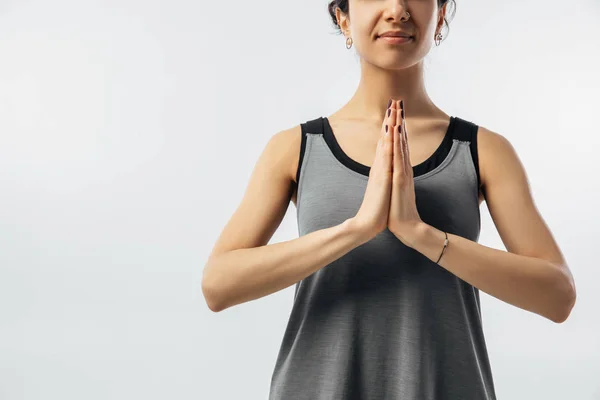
column 343, row 5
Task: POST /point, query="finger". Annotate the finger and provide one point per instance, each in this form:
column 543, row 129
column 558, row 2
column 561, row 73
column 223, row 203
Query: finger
column 404, row 138
column 406, row 149
column 392, row 115
column 386, row 118
column 384, row 149
column 392, row 123
column 401, row 161
column 400, row 114
column 401, row 107
column 387, row 151
column 398, row 129
column 384, row 121
column 391, row 103
column 403, row 148
column 397, row 157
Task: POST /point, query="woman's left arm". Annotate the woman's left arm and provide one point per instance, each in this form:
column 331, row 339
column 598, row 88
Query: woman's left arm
column 533, row 273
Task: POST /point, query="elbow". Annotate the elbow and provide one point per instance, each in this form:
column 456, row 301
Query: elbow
column 211, row 293
column 211, row 297
column 563, row 314
column 569, row 298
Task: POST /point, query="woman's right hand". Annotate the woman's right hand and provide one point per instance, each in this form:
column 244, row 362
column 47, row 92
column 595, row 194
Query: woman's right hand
column 372, row 216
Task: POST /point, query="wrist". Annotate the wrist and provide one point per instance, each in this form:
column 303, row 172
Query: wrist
column 429, row 241
column 412, row 234
column 421, row 233
column 357, row 229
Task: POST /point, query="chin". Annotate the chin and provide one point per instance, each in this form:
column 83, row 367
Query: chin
column 397, row 64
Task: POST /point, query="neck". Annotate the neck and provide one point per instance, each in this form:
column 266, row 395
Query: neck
column 378, row 85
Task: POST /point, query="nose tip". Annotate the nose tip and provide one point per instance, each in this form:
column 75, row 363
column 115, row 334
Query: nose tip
column 399, row 11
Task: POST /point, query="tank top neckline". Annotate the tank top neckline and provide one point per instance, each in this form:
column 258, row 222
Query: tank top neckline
column 418, row 170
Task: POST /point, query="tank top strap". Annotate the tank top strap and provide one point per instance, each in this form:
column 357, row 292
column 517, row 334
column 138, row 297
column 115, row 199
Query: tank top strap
column 466, row 131
column 314, row 127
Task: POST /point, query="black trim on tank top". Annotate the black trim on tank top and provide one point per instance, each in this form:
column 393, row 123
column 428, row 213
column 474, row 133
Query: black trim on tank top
column 434, row 160
column 314, row 126
column 475, row 154
column 302, row 150
column 458, row 128
column 468, row 133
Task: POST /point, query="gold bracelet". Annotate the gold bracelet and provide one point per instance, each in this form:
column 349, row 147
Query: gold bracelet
column 445, row 245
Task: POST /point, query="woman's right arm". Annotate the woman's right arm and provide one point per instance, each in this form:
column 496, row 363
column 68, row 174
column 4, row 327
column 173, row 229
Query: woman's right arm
column 242, row 266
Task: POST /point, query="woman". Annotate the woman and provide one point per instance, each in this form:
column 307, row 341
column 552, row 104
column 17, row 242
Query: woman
column 387, row 267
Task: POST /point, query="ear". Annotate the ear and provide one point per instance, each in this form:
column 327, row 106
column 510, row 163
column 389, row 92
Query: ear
column 441, row 16
column 343, row 20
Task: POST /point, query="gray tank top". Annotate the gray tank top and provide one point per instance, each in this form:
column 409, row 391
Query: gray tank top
column 383, row 322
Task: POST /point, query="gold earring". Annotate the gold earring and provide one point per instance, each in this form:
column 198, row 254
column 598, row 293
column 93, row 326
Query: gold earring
column 349, row 42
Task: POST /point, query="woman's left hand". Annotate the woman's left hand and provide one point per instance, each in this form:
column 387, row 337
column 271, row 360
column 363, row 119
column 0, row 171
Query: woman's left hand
column 403, row 217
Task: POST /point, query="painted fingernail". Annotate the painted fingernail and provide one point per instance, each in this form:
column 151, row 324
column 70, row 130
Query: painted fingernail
column 386, row 128
column 389, row 111
column 402, row 104
column 403, row 113
column 389, row 103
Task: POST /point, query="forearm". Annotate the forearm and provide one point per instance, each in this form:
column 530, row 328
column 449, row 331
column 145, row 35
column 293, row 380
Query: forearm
column 242, row 275
column 530, row 283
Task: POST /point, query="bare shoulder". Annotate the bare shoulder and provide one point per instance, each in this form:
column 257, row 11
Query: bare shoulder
column 288, row 143
column 488, row 139
column 496, row 155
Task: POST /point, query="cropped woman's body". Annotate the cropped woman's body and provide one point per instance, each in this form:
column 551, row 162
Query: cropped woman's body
column 352, row 224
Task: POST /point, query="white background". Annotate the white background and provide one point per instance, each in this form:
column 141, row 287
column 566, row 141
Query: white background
column 129, row 129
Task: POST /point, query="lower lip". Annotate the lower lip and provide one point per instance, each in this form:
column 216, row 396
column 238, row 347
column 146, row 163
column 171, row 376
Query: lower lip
column 395, row 39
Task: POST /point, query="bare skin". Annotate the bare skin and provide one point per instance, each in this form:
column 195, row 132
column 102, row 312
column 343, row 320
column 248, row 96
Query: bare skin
column 532, row 274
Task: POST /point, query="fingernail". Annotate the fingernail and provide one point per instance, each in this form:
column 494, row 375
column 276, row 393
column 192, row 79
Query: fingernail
column 389, row 111
column 389, row 103
column 386, row 128
column 402, row 104
column 403, row 113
